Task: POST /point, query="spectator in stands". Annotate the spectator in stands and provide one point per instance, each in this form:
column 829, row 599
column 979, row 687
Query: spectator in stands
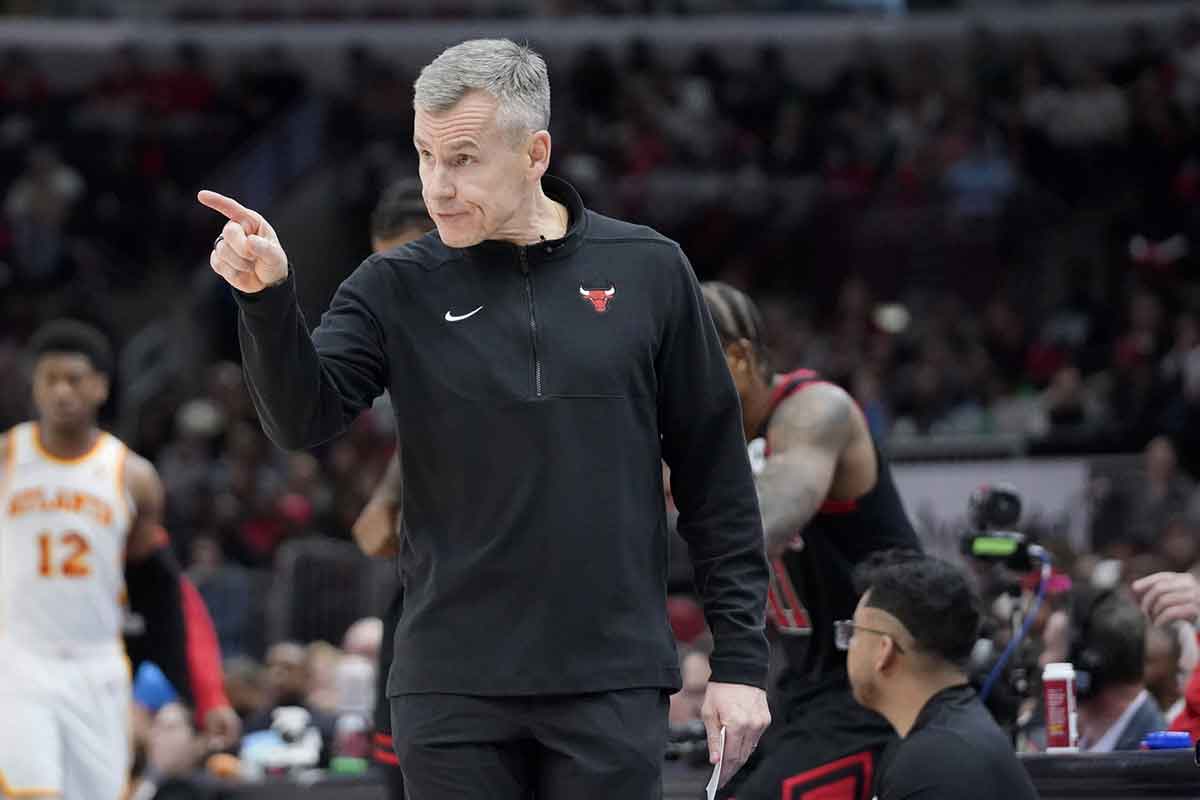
column 187, row 468
column 289, row 673
column 1164, row 492
column 1179, row 383
column 323, row 660
column 1068, row 407
column 1108, row 647
column 38, row 206
column 225, row 588
column 1094, row 111
column 980, row 182
column 173, row 754
column 245, row 684
column 909, row 642
column 364, row 638
column 1179, row 543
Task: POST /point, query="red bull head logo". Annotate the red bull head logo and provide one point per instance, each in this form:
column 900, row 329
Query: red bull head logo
column 599, row 298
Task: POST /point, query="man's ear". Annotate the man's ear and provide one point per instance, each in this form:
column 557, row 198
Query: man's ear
column 742, row 354
column 886, row 654
column 539, row 153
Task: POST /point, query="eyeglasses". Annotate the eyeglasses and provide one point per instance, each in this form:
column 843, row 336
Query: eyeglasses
column 843, row 632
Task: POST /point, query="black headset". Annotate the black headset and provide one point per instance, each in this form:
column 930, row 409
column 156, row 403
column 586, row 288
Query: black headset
column 1090, row 668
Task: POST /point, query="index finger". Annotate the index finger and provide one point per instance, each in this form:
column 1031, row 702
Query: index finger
column 1169, row 601
column 1152, row 601
column 1149, row 582
column 232, row 209
column 1150, row 592
column 1177, row 613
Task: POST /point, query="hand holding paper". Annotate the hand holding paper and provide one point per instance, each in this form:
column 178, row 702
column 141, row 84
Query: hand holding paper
column 735, row 716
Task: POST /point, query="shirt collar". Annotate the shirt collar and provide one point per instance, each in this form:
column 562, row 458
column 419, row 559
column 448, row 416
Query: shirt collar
column 1108, row 741
column 956, row 693
column 556, row 189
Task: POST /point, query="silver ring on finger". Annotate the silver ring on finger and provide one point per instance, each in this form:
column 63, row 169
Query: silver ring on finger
column 220, row 238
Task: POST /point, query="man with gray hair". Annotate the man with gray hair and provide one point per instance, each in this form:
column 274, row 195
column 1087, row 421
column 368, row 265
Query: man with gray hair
column 542, row 360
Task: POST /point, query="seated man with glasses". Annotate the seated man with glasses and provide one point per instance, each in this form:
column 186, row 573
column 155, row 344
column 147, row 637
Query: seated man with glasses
column 910, row 638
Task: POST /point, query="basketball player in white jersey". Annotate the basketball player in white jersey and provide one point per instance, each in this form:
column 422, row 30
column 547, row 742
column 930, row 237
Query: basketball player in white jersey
column 75, row 504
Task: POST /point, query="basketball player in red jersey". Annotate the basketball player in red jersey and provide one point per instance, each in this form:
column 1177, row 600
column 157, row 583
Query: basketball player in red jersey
column 828, row 501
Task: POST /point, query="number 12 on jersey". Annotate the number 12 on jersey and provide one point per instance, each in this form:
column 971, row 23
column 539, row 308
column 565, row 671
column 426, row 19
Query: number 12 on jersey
column 63, row 556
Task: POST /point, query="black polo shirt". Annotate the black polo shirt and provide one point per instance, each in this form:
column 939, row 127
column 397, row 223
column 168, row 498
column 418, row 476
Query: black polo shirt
column 955, row 751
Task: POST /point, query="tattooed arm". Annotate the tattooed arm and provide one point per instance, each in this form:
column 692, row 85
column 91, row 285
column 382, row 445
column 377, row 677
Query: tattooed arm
column 807, row 436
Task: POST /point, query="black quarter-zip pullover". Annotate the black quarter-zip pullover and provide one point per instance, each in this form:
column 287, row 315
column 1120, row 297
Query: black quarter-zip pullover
column 536, row 389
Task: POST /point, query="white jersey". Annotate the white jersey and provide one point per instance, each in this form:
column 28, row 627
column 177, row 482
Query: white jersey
column 63, row 526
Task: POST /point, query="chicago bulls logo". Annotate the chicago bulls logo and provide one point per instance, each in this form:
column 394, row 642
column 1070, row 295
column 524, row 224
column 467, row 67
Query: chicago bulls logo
column 599, row 298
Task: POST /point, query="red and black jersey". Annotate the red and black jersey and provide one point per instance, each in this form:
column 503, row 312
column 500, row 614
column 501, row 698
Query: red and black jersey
column 813, row 587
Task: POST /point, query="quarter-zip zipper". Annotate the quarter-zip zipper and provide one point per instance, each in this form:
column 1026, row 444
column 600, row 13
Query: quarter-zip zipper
column 537, row 364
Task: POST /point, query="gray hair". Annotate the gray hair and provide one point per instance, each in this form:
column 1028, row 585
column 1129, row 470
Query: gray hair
column 514, row 74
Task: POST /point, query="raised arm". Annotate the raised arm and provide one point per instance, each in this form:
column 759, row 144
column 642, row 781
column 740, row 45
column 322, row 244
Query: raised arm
column 306, row 389
column 807, row 436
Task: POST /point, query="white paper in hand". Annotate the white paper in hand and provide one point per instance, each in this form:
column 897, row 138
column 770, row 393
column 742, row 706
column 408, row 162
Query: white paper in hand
column 715, row 781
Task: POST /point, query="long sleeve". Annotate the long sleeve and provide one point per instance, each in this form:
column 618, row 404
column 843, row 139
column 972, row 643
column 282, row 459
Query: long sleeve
column 702, row 442
column 156, row 597
column 203, row 653
column 308, row 389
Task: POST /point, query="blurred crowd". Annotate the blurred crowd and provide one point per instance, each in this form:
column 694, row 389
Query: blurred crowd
column 305, row 707
column 324, row 11
column 1001, row 246
column 998, row 245
column 97, row 180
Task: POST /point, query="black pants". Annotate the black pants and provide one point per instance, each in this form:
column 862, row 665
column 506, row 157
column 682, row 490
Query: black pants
column 383, row 753
column 823, row 745
column 570, row 747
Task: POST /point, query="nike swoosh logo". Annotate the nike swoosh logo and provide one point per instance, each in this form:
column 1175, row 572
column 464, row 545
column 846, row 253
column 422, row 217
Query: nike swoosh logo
column 453, row 318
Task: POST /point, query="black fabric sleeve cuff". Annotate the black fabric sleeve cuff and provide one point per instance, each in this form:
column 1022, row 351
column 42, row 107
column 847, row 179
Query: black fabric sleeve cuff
column 750, row 673
column 270, row 298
